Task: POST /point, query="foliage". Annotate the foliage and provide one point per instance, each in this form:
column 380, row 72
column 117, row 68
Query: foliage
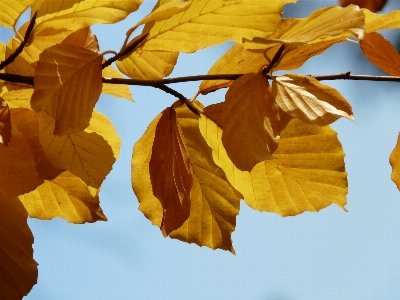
column 269, row 144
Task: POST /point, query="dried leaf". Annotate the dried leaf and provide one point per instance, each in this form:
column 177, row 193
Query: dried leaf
column 307, row 99
column 68, row 83
column 205, row 23
column 250, row 121
column 18, row 269
column 170, row 172
column 66, row 197
column 307, row 174
column 394, row 160
column 372, row 5
column 381, row 53
column 375, row 22
column 10, row 10
column 5, row 123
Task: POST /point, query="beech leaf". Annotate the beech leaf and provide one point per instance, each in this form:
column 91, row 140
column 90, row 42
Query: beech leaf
column 394, row 160
column 307, row 174
column 117, row 90
column 68, row 83
column 18, row 269
column 250, row 121
column 307, row 99
column 381, row 53
column 5, row 123
column 10, row 10
column 19, row 98
column 375, row 22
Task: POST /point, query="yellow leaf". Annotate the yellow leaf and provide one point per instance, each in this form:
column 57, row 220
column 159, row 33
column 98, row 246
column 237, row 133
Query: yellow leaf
column 307, row 174
column 65, row 197
column 372, row 5
column 170, row 172
column 205, row 23
column 19, row 98
column 166, row 10
column 381, row 53
column 394, row 160
column 321, row 25
column 17, row 165
column 250, row 121
column 88, row 154
column 5, row 123
column 18, row 269
column 117, row 90
column 77, row 14
column 375, row 22
column 10, row 10
column 238, row 60
column 307, row 99
column 68, row 83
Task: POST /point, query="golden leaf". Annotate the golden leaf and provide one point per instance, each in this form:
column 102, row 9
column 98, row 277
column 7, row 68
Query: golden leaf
column 77, row 14
column 250, row 121
column 19, row 98
column 66, row 197
column 321, row 25
column 83, row 38
column 307, row 99
column 205, row 23
column 117, row 90
column 88, row 154
column 165, row 10
column 5, row 123
column 68, row 83
column 307, row 174
column 10, row 11
column 18, row 269
column 372, row 5
column 394, row 160
column 381, row 53
column 238, row 60
column 375, row 22
column 17, row 165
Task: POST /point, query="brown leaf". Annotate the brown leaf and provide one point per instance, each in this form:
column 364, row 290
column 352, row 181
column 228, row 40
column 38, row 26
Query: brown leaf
column 5, row 123
column 83, row 38
column 381, row 53
column 250, row 122
column 170, row 172
column 18, row 269
column 372, row 5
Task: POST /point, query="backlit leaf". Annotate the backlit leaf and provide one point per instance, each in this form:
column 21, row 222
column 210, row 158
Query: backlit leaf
column 375, row 22
column 88, row 154
column 307, row 174
column 65, row 197
column 395, row 163
column 381, row 53
column 166, row 10
column 11, row 9
column 83, row 38
column 117, row 90
column 68, row 83
column 307, row 99
column 205, row 23
column 322, row 24
column 170, row 171
column 372, row 5
column 5, row 123
column 249, row 119
column 19, row 98
column 18, row 269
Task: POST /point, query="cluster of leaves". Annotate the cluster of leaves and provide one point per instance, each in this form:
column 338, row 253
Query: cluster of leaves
column 270, row 145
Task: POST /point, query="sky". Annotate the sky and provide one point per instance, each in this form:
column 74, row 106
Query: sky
column 328, row 255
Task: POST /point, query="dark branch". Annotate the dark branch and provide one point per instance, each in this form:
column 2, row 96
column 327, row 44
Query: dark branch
column 274, row 60
column 20, row 48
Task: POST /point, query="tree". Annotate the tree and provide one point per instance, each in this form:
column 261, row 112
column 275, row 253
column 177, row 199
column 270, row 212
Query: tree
column 49, row 140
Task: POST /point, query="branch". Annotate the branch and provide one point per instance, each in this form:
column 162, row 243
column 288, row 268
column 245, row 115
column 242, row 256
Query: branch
column 21, row 46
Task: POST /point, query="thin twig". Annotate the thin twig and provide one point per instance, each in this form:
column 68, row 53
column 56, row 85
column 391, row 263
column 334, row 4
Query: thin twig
column 274, row 60
column 21, row 46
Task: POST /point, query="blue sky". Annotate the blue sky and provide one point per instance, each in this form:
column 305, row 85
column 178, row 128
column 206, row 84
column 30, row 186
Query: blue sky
column 328, row 255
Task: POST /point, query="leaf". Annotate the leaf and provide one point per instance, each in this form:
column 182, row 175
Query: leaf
column 89, row 154
column 214, row 204
column 117, row 90
column 372, row 5
column 307, row 99
column 307, row 174
column 238, row 60
column 322, row 24
column 18, row 269
column 205, row 23
column 166, row 10
column 5, row 123
column 170, row 172
column 375, row 22
column 17, row 165
column 83, row 38
column 19, row 98
column 381, row 53
column 77, row 14
column 10, row 10
column 66, row 197
column 250, row 121
column 68, row 84
column 394, row 160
